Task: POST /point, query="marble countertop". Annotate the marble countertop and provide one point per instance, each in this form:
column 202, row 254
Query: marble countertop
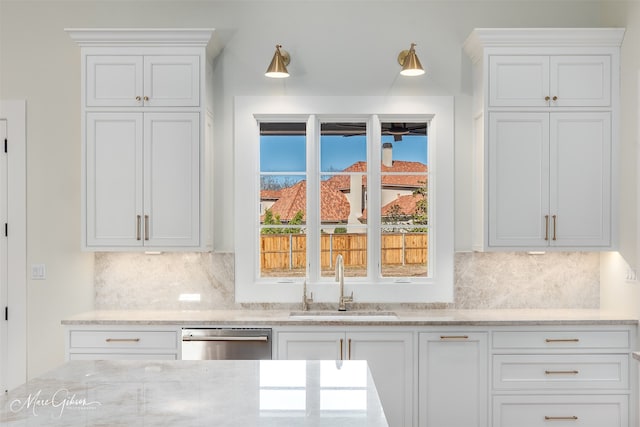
column 197, row 393
column 401, row 318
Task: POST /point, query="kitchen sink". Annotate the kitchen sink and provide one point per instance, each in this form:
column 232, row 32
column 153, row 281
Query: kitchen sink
column 326, row 315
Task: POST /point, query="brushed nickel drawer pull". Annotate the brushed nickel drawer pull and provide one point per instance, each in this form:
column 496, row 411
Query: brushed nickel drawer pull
column 341, row 349
column 138, row 226
column 349, row 349
column 552, row 340
column 454, row 337
column 574, row 372
column 555, row 226
column 122, row 340
column 146, row 227
column 571, row 418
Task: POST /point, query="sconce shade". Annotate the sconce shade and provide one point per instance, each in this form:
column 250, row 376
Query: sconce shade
column 278, row 67
column 411, row 65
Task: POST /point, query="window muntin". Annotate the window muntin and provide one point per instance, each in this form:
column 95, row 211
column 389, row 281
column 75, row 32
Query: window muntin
column 283, row 194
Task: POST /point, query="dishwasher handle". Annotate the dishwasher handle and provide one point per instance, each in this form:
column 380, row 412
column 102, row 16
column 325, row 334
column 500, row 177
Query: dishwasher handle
column 223, row 338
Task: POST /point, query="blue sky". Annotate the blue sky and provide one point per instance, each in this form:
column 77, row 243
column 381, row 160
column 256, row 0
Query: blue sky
column 287, row 153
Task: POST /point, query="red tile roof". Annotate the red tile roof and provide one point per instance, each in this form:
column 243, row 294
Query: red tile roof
column 406, row 206
column 334, row 204
column 411, row 181
column 270, row 194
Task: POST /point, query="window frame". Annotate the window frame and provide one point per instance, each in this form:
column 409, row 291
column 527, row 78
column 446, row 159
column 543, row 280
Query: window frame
column 437, row 111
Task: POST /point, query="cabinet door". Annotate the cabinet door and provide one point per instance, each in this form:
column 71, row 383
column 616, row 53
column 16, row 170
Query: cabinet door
column 518, row 190
column 453, row 389
column 172, row 81
column 580, row 81
column 114, row 81
column 390, row 359
column 171, row 179
column 518, row 81
column 113, row 179
column 580, row 179
column 311, row 345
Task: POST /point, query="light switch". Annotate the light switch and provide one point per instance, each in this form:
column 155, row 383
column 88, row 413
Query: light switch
column 38, row 272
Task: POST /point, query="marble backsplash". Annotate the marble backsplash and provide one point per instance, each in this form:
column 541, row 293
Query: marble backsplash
column 482, row 281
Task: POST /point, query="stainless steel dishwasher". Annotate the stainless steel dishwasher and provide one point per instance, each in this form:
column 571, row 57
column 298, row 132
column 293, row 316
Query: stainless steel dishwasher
column 226, row 343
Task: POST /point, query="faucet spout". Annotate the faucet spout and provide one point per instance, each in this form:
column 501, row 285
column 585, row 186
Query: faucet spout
column 342, row 306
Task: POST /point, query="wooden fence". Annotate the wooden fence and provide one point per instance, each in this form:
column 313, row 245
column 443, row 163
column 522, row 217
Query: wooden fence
column 288, row 251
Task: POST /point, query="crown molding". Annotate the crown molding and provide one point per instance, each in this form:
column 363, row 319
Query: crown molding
column 91, row 37
column 481, row 38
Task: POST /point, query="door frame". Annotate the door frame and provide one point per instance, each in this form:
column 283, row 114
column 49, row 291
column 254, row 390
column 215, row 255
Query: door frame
column 15, row 365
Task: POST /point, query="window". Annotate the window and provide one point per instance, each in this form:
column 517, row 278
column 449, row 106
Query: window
column 368, row 178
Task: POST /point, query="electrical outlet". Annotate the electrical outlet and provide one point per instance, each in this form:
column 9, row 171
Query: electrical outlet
column 38, row 272
column 632, row 275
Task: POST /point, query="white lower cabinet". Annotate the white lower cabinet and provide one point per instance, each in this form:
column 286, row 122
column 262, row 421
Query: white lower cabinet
column 442, row 376
column 122, row 343
column 453, row 373
column 554, row 410
column 563, row 376
column 388, row 353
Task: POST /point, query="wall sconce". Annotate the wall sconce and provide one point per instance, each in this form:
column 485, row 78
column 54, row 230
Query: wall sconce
column 278, row 67
column 411, row 65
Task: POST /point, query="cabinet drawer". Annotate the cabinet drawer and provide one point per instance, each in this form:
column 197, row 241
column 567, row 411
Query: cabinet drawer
column 545, row 411
column 123, row 339
column 561, row 340
column 560, row 371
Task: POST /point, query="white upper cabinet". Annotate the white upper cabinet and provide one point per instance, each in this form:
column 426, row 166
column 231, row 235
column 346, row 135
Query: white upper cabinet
column 550, row 179
column 136, row 81
column 146, row 148
column 546, row 117
column 543, row 81
column 142, row 179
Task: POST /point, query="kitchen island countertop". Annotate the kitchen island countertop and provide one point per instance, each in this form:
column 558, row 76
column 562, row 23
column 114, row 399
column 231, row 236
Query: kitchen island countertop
column 439, row 317
column 197, row 393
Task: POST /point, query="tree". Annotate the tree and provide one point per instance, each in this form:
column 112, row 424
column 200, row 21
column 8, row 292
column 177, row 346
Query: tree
column 296, row 220
column 269, row 219
column 421, row 214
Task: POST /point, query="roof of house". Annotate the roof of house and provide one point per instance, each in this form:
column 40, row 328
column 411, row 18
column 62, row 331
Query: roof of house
column 406, row 206
column 410, row 181
column 334, row 204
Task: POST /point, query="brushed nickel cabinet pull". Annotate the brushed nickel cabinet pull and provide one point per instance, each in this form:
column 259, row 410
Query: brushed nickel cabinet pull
column 552, row 340
column 122, row 340
column 138, row 227
column 341, row 349
column 146, row 98
column 138, row 98
column 349, row 349
column 546, row 227
column 574, row 372
column 454, row 337
column 571, row 418
column 547, row 98
column 555, row 98
column 555, row 226
column 146, row 227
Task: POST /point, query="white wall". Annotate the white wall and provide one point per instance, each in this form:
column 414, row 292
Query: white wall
column 616, row 293
column 337, row 48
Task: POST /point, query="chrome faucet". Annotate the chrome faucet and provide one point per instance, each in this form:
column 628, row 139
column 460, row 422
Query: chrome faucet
column 342, row 302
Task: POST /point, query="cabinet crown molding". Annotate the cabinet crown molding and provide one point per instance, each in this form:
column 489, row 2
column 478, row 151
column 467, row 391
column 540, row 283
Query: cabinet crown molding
column 91, row 37
column 481, row 38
